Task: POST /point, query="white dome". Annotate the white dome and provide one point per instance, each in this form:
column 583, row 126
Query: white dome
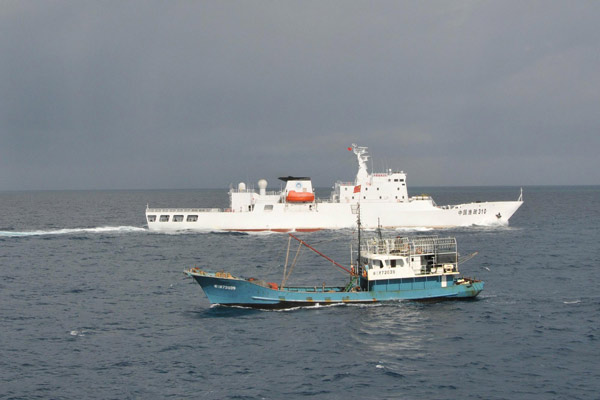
column 262, row 184
column 241, row 186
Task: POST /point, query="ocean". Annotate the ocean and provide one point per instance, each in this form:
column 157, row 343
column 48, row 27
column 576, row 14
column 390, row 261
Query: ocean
column 94, row 306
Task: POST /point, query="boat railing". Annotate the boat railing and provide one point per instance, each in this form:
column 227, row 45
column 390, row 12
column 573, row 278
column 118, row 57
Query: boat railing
column 420, row 197
column 186, row 210
column 247, row 190
column 410, row 246
column 340, row 183
column 448, row 207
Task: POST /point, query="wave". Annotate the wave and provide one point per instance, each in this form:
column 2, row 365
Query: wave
column 414, row 229
column 73, row 231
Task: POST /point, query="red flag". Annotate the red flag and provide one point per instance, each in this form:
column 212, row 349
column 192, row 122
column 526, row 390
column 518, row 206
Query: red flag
column 349, row 148
column 356, row 189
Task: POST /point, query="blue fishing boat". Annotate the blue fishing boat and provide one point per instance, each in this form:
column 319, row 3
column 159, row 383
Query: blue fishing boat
column 387, row 269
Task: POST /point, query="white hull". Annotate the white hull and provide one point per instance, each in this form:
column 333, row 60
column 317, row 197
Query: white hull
column 382, row 197
column 298, row 217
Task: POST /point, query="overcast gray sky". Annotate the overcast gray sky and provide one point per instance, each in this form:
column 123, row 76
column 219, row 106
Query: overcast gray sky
column 201, row 94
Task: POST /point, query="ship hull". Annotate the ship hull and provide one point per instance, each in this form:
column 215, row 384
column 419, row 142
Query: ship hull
column 231, row 291
column 316, row 216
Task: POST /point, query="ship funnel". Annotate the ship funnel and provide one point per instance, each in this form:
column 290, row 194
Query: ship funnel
column 262, row 186
column 241, row 186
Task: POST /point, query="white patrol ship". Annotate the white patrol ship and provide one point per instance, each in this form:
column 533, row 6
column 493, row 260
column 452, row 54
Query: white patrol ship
column 383, row 199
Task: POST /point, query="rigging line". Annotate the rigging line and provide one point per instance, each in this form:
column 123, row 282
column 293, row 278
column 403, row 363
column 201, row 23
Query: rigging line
column 466, row 258
column 271, row 266
column 275, row 264
column 321, row 254
column 293, row 264
column 287, row 255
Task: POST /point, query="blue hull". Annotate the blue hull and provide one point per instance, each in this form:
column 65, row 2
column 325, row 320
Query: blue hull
column 232, row 291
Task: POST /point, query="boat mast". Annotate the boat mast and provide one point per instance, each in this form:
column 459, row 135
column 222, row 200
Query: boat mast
column 359, row 229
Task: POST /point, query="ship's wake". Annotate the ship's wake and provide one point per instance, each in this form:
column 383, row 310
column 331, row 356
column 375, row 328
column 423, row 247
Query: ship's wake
column 73, row 231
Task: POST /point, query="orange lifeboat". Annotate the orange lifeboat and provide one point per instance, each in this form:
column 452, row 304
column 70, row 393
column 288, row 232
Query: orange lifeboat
column 299, row 197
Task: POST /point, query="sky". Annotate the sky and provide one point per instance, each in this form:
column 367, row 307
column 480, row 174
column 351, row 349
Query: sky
column 204, row 94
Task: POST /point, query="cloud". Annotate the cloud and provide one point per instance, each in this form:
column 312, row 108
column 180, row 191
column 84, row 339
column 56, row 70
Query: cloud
column 155, row 94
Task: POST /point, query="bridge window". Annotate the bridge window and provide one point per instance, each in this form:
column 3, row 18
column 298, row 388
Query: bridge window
column 397, row 262
column 268, row 207
column 164, row 218
column 177, row 218
column 151, row 218
column 192, row 218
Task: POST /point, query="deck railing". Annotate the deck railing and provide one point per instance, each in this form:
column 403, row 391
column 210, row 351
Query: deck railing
column 410, row 246
column 185, row 210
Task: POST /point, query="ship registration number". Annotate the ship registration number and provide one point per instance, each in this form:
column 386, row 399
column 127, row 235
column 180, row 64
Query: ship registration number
column 224, row 287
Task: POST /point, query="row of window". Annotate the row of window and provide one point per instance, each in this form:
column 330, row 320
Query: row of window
column 393, row 263
column 176, row 218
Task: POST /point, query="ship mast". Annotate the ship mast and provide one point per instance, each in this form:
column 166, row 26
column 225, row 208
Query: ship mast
column 362, row 176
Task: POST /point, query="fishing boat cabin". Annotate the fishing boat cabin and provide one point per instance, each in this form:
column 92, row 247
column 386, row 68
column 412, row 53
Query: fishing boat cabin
column 416, row 260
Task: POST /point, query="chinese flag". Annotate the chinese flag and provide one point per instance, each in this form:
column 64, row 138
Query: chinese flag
column 356, row 189
column 349, row 148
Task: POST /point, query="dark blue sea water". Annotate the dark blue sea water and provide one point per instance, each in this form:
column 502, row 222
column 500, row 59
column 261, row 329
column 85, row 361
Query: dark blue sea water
column 94, row 306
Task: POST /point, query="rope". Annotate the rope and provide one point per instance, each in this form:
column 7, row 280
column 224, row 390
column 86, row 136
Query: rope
column 293, row 265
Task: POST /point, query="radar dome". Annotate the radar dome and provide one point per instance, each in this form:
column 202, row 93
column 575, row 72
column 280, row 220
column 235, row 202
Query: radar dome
column 262, row 185
column 241, row 186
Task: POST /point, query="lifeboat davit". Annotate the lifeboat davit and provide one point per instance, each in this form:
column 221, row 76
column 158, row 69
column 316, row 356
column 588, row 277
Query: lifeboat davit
column 299, row 197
